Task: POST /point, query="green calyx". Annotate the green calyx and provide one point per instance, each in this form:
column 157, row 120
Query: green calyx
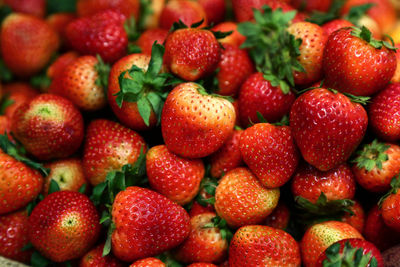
column 209, row 185
column 349, row 257
column 395, row 185
column 363, row 100
column 273, row 49
column 372, row 155
column 103, row 72
column 133, row 26
column 222, row 225
column 366, row 35
column 357, row 12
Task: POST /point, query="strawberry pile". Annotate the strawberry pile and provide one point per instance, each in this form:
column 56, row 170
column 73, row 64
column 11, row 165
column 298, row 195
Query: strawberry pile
column 200, row 133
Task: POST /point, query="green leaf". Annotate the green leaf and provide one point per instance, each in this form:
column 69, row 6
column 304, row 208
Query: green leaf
column 107, row 245
column 320, row 18
column 145, row 11
column 131, row 29
column 197, row 24
column 98, row 192
column 133, row 49
column 261, row 118
column 395, row 185
column 372, row 155
column 178, row 25
column 5, row 103
column 5, row 74
column 60, row 6
column 365, row 34
column 221, row 35
column 54, row 187
column 357, row 12
column 105, row 217
column 144, row 108
column 27, row 247
column 38, row 260
column 41, row 81
column 156, row 61
column 82, row 189
column 103, row 72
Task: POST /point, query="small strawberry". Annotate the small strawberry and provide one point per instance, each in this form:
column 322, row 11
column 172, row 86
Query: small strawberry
column 270, row 153
column 148, row 37
column 55, row 71
column 148, row 262
column 228, row 26
column 390, row 205
column 16, row 94
column 279, row 218
column 90, row 7
column 396, row 76
column 357, row 219
column 195, row 124
column 256, row 245
column 64, row 226
column 241, row 199
column 32, row 7
column 94, row 258
column 197, row 209
column 335, row 25
column 188, row 12
column 215, row 10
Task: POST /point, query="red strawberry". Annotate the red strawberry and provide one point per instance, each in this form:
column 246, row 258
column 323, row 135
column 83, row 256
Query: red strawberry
column 197, row 209
column 357, row 220
column 235, row 38
column 192, row 53
column 64, row 226
column 148, row 262
column 390, row 205
column 148, row 37
column 172, row 176
column 279, row 218
column 202, row 264
column 90, row 7
column 312, row 5
column 59, row 21
column 14, row 236
column 18, row 93
column 215, row 10
column 32, row 7
column 188, row 12
column 109, row 146
column 270, row 153
column 356, row 63
column 56, row 69
column 241, row 199
column 384, row 113
column 195, row 124
column 146, row 224
column 4, row 124
column 396, row 76
column 27, row 43
column 49, row 127
column 102, row 33
column 327, row 127
column 94, row 258
column 335, row 25
column 256, row 245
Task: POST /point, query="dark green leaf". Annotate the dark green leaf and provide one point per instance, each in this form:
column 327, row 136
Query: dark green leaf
column 145, row 11
column 5, row 74
column 177, row 26
column 97, row 193
column 107, row 245
column 41, row 81
column 5, row 10
column 320, row 18
column 82, row 189
column 5, row 103
column 221, row 35
column 27, row 247
column 197, row 24
column 133, row 49
column 54, row 187
column 60, row 6
column 155, row 65
column 261, row 118
column 357, row 12
column 37, row 260
column 131, row 29
column 145, row 109
column 372, row 155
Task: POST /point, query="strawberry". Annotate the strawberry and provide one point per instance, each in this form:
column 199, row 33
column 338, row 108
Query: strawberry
column 235, row 38
column 270, row 153
column 90, row 7
column 148, row 262
column 102, row 33
column 59, row 21
column 192, row 53
column 94, row 258
column 320, row 236
column 197, row 209
column 195, row 124
column 146, row 224
column 148, row 37
column 202, row 264
column 239, row 190
column 390, row 205
column 355, row 63
column 279, row 218
column 396, row 76
column 14, row 236
column 17, row 94
column 234, row 68
column 256, row 245
column 312, row 5
column 27, row 43
column 188, row 12
column 64, row 226
column 32, row 7
column 55, row 70
column 357, row 220
column 384, row 113
column 257, row 95
column 214, row 9
column 150, row 14
column 49, row 127
column 335, row 25
column 109, row 146
column 4, row 124
column 172, row 176
column 327, row 127
column 205, row 243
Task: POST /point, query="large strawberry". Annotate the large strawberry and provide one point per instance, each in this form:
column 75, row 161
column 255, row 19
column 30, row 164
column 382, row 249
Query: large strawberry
column 146, row 224
column 270, row 153
column 327, row 127
column 256, row 245
column 95, row 258
column 188, row 12
column 64, row 226
column 195, row 124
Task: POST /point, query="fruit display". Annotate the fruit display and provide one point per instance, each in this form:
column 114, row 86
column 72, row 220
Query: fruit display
column 200, row 133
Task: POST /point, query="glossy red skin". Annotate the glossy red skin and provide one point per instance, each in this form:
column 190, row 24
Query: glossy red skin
column 313, row 117
column 172, row 176
column 64, row 226
column 109, row 146
column 147, row 224
column 191, row 53
column 256, row 245
column 148, row 37
column 228, row 156
column 311, row 5
column 215, row 10
column 337, row 183
column 353, row 66
column 14, row 236
column 90, row 7
column 195, row 125
column 27, row 43
column 270, row 153
column 391, row 211
column 19, row 93
column 94, row 258
column 234, row 68
column 197, row 209
column 148, row 262
column 279, row 218
column 335, row 25
column 32, row 7
column 358, row 219
column 188, row 12
column 366, row 247
column 49, row 127
column 203, row 244
column 235, row 38
column 102, row 33
column 384, row 113
column 257, row 94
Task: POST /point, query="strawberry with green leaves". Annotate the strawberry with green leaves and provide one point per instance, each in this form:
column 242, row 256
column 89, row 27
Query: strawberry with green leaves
column 95, row 258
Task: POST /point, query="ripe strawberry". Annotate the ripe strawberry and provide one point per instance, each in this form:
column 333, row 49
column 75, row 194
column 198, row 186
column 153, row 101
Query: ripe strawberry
column 32, row 7
column 172, row 176
column 355, row 63
column 396, row 76
column 94, row 258
column 390, row 205
column 270, row 153
column 279, row 218
column 214, row 9
column 384, row 113
column 312, row 5
column 4, row 124
column 205, row 242
column 336, row 184
column 256, row 245
column 64, row 226
column 109, row 146
column 335, row 25
column 234, row 68
column 148, row 37
column 197, row 209
column 56, row 69
column 192, row 53
column 102, row 33
column 202, row 264
column 235, row 38
column 241, row 199
column 17, row 94
column 90, row 7
column 49, row 127
column 320, row 236
column 148, row 262
column 357, row 220
column 188, row 12
column 195, row 124
column 27, row 43
column 327, row 127
column 13, row 236
column 146, row 224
